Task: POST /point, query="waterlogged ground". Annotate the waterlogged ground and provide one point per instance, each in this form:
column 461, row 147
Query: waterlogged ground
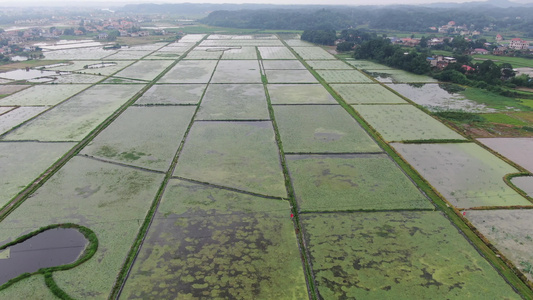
column 397, row 255
column 466, row 174
column 352, row 182
column 223, row 226
column 109, row 199
column 125, row 141
column 240, row 155
column 321, row 129
column 392, row 123
column 215, row 243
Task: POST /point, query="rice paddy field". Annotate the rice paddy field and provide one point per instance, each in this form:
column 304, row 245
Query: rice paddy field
column 366, row 94
column 466, row 174
column 518, row 150
column 220, row 167
column 398, row 76
column 405, row 122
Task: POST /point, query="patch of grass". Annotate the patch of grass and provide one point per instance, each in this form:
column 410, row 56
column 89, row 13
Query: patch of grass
column 503, row 119
column 494, row 100
column 516, row 62
column 458, row 116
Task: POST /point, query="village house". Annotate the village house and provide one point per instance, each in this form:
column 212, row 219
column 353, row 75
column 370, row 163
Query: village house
column 480, row 51
column 499, row 38
column 519, row 44
column 500, row 50
column 440, row 61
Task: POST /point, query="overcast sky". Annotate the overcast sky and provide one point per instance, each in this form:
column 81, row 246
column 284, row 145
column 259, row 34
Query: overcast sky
column 102, row 3
column 321, row 2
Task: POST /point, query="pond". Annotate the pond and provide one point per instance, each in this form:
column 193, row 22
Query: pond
column 51, row 248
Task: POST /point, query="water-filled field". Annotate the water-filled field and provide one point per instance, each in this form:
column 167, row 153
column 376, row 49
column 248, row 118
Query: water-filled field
column 352, row 182
column 125, row 140
column 239, row 155
column 190, row 71
column 299, row 94
column 309, row 53
column 290, row 76
column 234, row 102
column 276, row 53
column 75, row 118
column 217, row 243
column 394, row 255
column 321, row 129
column 392, row 123
column 172, row 94
column 343, row 76
column 43, row 95
column 237, row 71
column 518, row 150
column 465, row 174
column 366, row 94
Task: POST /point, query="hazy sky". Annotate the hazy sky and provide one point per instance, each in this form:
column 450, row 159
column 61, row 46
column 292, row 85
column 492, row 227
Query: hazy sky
column 111, row 3
column 321, row 2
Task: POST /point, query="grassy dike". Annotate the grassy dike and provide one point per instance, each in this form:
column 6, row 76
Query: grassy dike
column 89, row 251
column 312, row 290
column 135, row 248
column 509, row 272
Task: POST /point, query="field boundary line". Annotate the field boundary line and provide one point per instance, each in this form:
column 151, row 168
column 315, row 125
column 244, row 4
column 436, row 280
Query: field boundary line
column 305, row 256
column 222, row 187
column 135, row 248
column 120, row 164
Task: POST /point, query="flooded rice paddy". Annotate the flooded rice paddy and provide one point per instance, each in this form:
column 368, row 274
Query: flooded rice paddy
column 218, row 166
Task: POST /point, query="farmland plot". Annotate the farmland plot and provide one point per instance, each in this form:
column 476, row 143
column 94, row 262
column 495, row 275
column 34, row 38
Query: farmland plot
column 173, row 49
column 144, row 47
column 510, row 232
column 366, row 64
column 276, row 53
column 343, row 76
column 128, row 55
column 144, row 70
column 282, row 65
column 77, row 117
column 10, row 89
column 309, row 53
column 93, row 67
column 108, row 199
column 435, row 98
column 205, row 53
column 465, row 174
column 298, row 43
column 78, row 54
column 240, row 53
column 163, row 56
column 22, row 162
column 290, row 76
column 518, row 150
column 524, row 183
column 405, row 122
column 193, row 71
column 191, row 38
column 30, row 288
column 399, row 76
column 397, row 255
column 366, row 94
column 43, row 95
column 125, row 140
column 18, row 116
column 240, row 155
column 217, row 243
column 242, row 43
column 352, row 182
column 234, row 102
column 328, row 65
column 172, row 94
column 77, row 79
column 237, row 71
column 321, row 129
column 299, row 94
column 5, row 109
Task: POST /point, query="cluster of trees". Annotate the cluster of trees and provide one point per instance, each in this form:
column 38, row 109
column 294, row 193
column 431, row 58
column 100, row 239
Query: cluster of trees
column 383, row 51
column 323, row 37
column 405, row 18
